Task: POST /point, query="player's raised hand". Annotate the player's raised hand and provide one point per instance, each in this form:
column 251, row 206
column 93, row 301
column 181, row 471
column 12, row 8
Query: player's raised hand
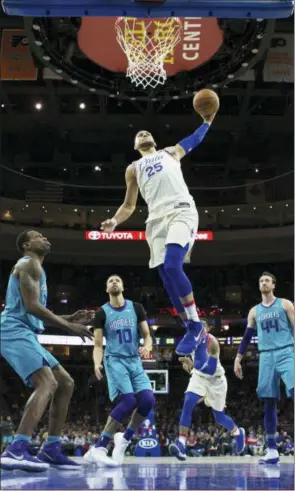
column 109, row 225
column 238, row 369
column 209, row 119
column 81, row 331
column 98, row 370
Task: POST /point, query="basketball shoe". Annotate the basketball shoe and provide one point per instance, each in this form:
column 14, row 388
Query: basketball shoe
column 17, row 457
column 177, row 449
column 51, row 454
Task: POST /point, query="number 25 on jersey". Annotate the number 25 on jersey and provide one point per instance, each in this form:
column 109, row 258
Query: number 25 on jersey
column 151, row 170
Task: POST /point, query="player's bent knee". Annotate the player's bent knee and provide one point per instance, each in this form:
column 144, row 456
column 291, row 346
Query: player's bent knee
column 67, row 384
column 129, row 401
column 50, row 386
column 145, row 401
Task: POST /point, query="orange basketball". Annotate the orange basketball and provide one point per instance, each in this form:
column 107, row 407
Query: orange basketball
column 206, row 102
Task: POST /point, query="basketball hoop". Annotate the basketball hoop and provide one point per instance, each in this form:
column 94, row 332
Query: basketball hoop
column 146, row 45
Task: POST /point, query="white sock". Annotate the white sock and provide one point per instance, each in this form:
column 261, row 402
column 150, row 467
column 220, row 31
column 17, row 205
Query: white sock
column 182, row 440
column 191, row 311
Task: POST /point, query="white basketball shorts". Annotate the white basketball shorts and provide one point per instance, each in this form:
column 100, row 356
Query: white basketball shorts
column 179, row 227
column 212, row 389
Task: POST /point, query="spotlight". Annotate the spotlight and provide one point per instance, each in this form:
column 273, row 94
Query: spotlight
column 2, row 105
column 75, row 209
column 256, row 170
column 270, row 207
column 206, row 211
column 238, row 209
column 254, row 207
column 254, row 51
column 82, row 105
column 97, row 168
column 38, row 106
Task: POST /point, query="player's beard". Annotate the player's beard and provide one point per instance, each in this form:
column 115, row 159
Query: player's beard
column 148, row 145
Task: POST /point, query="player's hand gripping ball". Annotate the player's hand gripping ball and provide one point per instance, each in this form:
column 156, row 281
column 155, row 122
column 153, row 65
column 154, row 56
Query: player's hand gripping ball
column 206, row 103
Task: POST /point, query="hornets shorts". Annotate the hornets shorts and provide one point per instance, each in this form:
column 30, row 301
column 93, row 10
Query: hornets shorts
column 179, row 227
column 125, row 376
column 274, row 366
column 21, row 349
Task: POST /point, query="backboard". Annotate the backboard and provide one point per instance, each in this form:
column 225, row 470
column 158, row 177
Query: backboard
column 268, row 9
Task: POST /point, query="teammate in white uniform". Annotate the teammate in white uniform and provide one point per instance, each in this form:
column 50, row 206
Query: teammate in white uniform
column 172, row 220
column 207, row 383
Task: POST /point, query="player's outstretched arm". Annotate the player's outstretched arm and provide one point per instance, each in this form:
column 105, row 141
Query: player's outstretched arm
column 127, row 208
column 191, row 142
column 29, row 274
column 289, row 309
column 244, row 343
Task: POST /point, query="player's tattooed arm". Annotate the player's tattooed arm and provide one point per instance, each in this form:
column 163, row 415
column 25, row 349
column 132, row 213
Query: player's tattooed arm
column 289, row 309
column 213, row 348
column 29, row 273
column 98, row 352
column 127, row 208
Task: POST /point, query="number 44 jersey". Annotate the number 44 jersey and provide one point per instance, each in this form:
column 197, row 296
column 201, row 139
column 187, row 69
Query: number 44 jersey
column 121, row 328
column 161, row 184
column 274, row 329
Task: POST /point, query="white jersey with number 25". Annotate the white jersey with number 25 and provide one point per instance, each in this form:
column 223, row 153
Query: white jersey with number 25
column 161, row 184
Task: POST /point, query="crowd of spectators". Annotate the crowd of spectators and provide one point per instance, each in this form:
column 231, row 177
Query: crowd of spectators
column 205, row 440
column 234, row 289
column 89, row 410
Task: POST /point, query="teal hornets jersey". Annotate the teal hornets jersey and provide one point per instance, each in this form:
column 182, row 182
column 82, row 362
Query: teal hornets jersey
column 121, row 330
column 274, row 329
column 15, row 312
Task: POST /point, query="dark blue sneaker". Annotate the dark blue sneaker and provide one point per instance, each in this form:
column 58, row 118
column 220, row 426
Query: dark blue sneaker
column 240, row 441
column 51, row 454
column 17, row 457
column 191, row 340
column 177, row 450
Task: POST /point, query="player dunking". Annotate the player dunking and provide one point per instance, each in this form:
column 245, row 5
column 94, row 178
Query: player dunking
column 274, row 320
column 21, row 321
column 172, row 221
column 122, row 322
column 208, row 383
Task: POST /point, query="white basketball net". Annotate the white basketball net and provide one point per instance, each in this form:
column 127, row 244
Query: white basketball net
column 146, row 47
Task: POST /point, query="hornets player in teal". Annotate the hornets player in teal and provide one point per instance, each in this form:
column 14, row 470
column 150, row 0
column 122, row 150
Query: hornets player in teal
column 274, row 320
column 123, row 323
column 21, row 322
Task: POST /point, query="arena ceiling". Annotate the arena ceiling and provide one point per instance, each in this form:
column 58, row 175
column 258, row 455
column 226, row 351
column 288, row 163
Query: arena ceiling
column 76, row 132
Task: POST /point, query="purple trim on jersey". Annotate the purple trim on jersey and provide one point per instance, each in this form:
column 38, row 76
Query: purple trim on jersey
column 118, row 309
column 268, row 306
